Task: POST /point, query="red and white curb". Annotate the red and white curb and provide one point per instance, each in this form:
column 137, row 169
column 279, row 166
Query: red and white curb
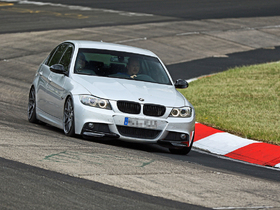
column 229, row 145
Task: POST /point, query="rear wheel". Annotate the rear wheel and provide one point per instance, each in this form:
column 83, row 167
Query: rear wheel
column 68, row 118
column 32, row 106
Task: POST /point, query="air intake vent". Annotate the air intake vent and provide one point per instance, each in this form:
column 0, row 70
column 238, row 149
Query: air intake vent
column 138, row 132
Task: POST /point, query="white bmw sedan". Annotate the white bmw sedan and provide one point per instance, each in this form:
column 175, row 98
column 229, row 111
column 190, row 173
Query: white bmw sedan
column 104, row 90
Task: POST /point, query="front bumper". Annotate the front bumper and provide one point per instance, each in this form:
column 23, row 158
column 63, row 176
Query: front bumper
column 142, row 129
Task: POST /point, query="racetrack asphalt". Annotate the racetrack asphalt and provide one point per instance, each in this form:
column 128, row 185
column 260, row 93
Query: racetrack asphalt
column 28, row 187
column 192, row 40
column 205, row 66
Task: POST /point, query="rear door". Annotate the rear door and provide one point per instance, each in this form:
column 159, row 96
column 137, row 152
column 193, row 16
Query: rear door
column 56, row 85
column 45, row 94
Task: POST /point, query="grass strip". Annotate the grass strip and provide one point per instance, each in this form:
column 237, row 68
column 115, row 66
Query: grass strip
column 243, row 101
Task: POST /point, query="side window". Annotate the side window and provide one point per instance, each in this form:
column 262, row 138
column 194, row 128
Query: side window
column 66, row 59
column 57, row 54
column 47, row 61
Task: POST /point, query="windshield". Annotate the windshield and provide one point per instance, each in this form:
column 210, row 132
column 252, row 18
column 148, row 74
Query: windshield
column 123, row 65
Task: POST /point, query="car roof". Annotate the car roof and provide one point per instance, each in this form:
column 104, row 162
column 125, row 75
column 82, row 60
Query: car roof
column 110, row 46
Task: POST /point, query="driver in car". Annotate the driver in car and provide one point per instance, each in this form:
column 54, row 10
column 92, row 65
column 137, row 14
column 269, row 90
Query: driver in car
column 133, row 67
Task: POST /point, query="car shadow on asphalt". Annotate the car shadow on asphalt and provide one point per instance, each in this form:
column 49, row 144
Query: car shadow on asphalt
column 151, row 148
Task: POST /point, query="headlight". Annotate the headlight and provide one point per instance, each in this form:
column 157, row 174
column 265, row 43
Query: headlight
column 95, row 102
column 181, row 112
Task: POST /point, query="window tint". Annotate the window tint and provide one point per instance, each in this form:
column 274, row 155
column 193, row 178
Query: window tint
column 66, row 59
column 56, row 55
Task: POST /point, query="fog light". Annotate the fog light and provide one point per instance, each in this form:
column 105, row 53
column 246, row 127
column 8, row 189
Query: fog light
column 91, row 125
column 183, row 136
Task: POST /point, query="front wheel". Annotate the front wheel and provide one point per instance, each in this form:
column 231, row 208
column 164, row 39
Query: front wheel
column 32, row 106
column 68, row 118
column 181, row 151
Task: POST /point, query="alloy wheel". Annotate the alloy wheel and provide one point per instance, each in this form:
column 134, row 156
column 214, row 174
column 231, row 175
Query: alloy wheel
column 68, row 120
column 32, row 106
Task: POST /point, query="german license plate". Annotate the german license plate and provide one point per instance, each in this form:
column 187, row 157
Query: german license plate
column 140, row 123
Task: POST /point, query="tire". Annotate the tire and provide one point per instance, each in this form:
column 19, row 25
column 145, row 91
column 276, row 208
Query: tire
column 32, row 106
column 68, row 118
column 181, row 151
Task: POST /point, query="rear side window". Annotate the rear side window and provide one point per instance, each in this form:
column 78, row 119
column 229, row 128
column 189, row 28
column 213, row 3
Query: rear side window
column 66, row 58
column 56, row 54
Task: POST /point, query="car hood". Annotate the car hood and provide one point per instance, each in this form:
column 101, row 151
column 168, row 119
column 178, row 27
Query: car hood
column 131, row 90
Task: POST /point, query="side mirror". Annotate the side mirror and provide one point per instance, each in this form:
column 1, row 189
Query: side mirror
column 58, row 68
column 180, row 83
